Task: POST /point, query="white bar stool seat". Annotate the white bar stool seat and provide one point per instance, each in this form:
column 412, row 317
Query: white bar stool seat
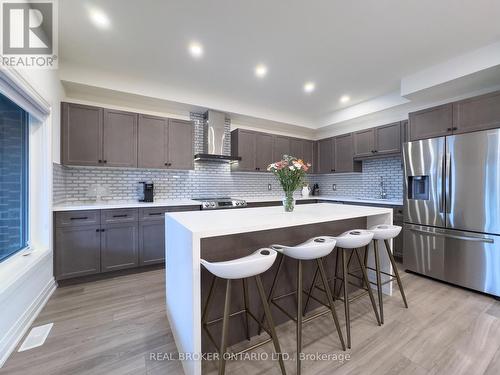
column 385, row 231
column 354, row 239
column 314, row 248
column 251, row 265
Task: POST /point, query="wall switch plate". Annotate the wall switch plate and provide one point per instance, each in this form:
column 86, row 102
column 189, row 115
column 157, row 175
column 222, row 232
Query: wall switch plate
column 334, row 187
column 269, row 187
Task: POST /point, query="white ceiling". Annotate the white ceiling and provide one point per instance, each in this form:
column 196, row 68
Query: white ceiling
column 360, row 48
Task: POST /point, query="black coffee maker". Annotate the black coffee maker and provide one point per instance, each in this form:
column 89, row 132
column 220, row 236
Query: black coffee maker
column 146, row 193
column 315, row 189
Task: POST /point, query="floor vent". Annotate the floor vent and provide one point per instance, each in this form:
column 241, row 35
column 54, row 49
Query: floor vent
column 36, row 337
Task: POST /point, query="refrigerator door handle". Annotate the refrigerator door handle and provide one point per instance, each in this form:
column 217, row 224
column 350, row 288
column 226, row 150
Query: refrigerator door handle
column 454, row 236
column 448, row 183
column 441, row 182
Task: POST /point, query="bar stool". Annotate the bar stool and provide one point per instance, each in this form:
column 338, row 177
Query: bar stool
column 384, row 233
column 242, row 268
column 350, row 240
column 313, row 249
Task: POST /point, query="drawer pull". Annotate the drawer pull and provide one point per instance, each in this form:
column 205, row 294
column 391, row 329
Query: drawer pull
column 155, row 213
column 79, row 218
column 124, row 215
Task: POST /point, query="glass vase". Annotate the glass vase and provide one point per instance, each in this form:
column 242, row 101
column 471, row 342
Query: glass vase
column 288, row 202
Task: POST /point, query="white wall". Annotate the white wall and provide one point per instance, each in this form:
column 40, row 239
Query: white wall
column 26, row 281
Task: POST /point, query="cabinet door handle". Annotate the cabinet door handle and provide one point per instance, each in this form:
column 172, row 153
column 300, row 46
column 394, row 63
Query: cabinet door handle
column 104, row 161
column 455, row 128
column 97, row 230
column 124, row 215
column 449, row 129
column 103, row 230
column 79, row 218
column 155, row 213
column 100, row 161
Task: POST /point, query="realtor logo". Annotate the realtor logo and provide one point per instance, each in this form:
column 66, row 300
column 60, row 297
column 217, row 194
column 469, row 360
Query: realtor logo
column 29, row 34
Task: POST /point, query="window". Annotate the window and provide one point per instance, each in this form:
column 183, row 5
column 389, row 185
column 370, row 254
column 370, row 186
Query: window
column 14, row 163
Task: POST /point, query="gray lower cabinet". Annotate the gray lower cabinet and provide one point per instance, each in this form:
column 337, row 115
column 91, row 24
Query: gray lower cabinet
column 119, row 246
column 151, row 242
column 77, row 251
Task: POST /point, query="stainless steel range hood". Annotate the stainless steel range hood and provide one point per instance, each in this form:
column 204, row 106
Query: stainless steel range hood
column 214, row 136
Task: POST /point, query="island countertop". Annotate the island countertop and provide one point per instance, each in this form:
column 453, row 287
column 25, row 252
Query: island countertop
column 223, row 222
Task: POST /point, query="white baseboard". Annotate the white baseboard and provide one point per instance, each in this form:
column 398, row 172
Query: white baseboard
column 9, row 342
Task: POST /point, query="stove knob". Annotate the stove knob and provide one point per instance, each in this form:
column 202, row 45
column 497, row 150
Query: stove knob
column 212, row 204
column 206, row 204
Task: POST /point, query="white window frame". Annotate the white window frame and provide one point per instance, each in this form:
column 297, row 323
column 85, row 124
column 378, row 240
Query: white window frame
column 18, row 90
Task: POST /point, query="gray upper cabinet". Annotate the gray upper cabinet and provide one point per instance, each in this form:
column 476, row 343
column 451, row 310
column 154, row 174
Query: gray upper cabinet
column 81, row 134
column 431, row 122
column 263, row 151
column 308, row 154
column 343, row 151
column 297, row 148
column 364, row 143
column 243, row 145
column 388, row 139
column 119, row 138
column 281, row 147
column 180, row 144
column 326, row 153
column 382, row 140
column 95, row 136
column 152, row 142
column 479, row 113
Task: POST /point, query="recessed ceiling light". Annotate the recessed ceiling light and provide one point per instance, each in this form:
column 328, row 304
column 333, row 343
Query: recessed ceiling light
column 345, row 98
column 309, row 87
column 99, row 18
column 195, row 49
column 260, row 70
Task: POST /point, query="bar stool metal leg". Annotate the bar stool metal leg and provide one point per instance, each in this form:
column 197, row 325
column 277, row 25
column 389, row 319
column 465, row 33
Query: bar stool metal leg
column 311, row 288
column 394, row 267
column 299, row 315
column 328, row 291
column 367, row 282
column 379, row 280
column 346, row 299
column 245, row 301
column 225, row 327
column 273, row 286
column 270, row 322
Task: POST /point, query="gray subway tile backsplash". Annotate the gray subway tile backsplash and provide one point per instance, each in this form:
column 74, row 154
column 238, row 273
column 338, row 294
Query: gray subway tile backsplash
column 70, row 184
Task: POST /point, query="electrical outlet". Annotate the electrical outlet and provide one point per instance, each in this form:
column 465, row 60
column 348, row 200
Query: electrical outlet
column 334, row 187
column 269, row 187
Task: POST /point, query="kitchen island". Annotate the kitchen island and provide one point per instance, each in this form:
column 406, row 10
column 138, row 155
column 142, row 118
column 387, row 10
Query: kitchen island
column 227, row 234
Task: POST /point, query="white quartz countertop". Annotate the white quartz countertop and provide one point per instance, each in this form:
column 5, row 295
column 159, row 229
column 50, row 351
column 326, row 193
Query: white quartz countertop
column 384, row 202
column 103, row 205
column 224, row 222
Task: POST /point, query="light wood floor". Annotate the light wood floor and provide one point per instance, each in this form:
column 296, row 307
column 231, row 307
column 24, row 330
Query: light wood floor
column 112, row 326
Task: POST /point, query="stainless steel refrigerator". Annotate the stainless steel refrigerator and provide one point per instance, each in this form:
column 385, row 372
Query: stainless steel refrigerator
column 452, row 209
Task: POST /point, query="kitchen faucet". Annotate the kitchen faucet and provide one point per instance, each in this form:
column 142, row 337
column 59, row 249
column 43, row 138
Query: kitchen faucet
column 383, row 193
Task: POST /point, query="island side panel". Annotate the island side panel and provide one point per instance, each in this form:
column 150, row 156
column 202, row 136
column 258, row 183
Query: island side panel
column 385, row 264
column 237, row 245
column 182, row 278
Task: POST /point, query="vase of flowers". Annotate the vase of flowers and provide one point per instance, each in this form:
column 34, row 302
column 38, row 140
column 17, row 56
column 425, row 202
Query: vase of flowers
column 290, row 173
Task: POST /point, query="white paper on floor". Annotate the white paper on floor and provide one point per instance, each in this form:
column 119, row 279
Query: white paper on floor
column 36, row 337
